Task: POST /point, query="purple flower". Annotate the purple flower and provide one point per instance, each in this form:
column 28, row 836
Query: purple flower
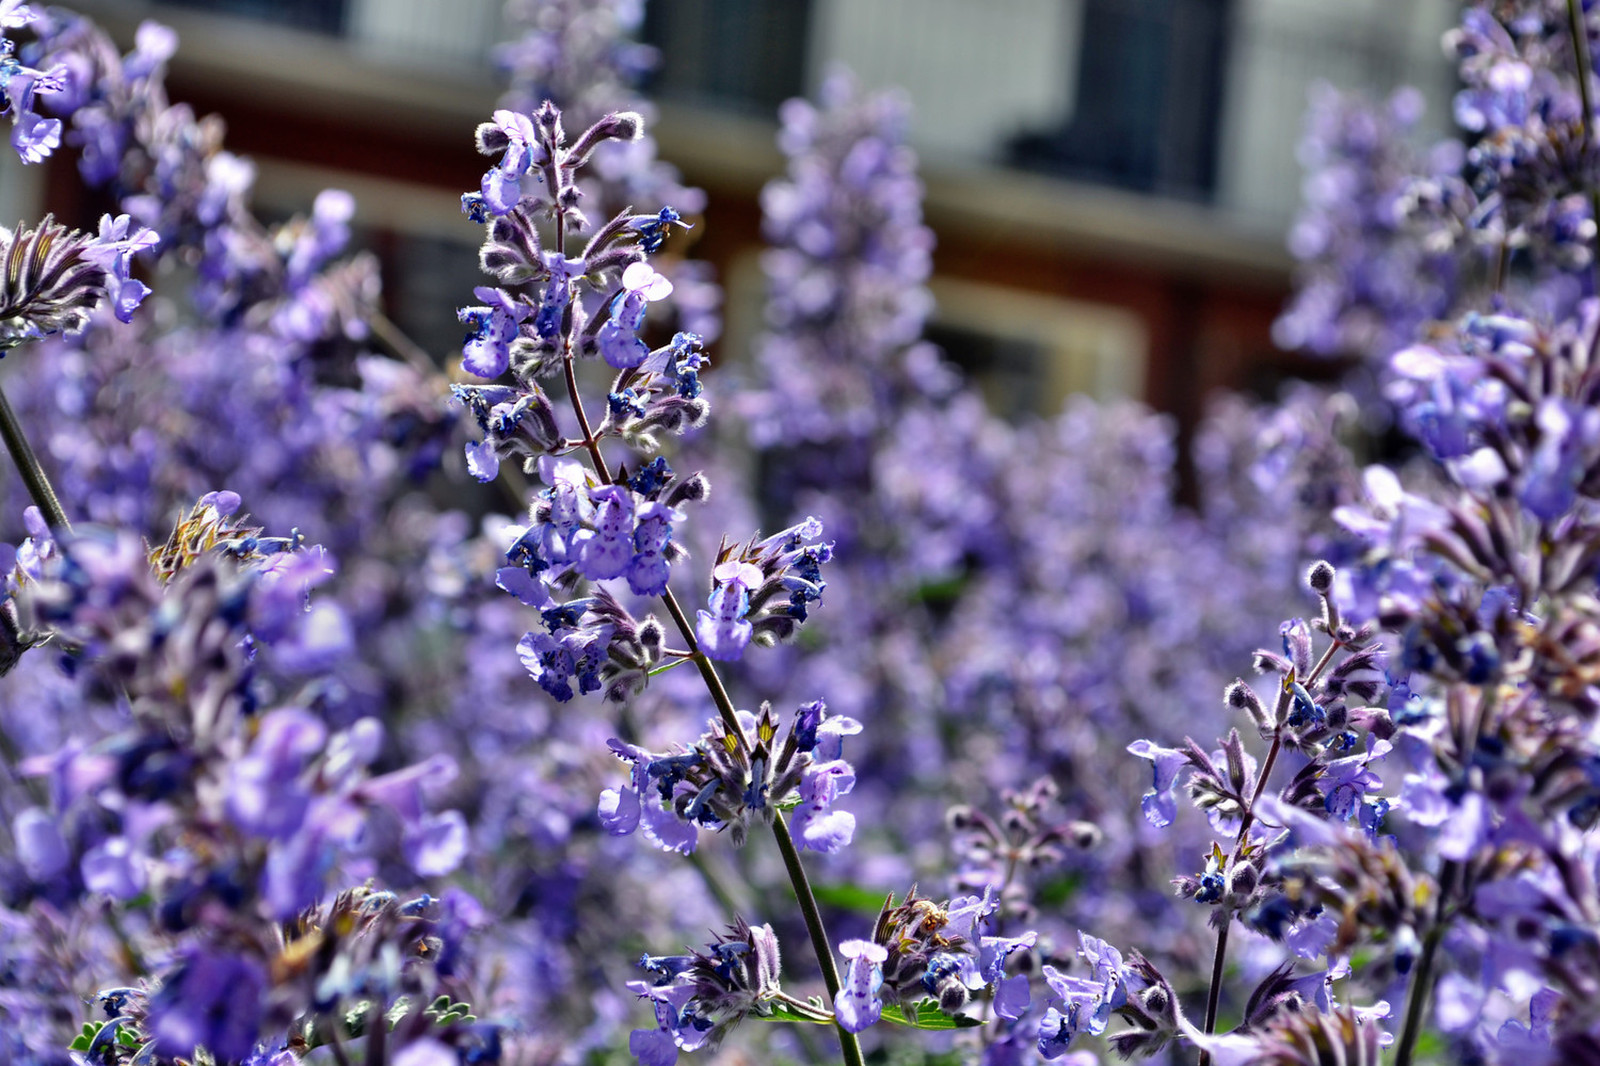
column 512, row 134
column 51, row 278
column 618, row 338
column 1558, row 463
column 1159, row 804
column 35, row 137
column 1346, row 781
column 1083, row 1005
column 213, row 1000
column 857, row 1005
column 112, row 867
column 554, row 661
column 648, row 570
column 40, row 846
column 426, row 1052
column 492, row 327
column 722, row 631
column 483, row 462
column 524, row 586
column 265, row 796
column 816, row 827
column 437, row 843
column 14, row 14
column 557, row 294
column 608, row 552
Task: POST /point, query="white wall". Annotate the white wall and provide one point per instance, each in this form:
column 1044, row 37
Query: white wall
column 1281, row 47
column 433, row 33
column 979, row 71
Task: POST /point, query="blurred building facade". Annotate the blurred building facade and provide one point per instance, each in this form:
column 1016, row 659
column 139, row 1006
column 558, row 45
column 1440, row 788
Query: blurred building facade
column 1109, row 180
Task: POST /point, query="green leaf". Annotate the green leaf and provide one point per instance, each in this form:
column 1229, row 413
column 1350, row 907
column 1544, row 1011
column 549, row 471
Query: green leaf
column 82, row 1041
column 941, row 593
column 355, row 1019
column 1056, row 891
column 850, row 898
column 658, row 671
column 1430, row 1046
column 126, row 1038
column 781, row 1012
column 929, row 1016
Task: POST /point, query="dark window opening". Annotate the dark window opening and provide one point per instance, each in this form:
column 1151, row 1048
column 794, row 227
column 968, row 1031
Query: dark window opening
column 1007, row 370
column 744, row 54
column 321, row 16
column 1149, row 101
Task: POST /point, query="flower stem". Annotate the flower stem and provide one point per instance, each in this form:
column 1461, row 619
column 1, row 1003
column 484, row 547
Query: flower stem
column 849, row 1045
column 1421, row 990
column 1450, row 874
column 1246, row 820
column 1218, row 961
column 33, row 476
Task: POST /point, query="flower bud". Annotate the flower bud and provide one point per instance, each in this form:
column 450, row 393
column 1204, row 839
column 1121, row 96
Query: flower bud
column 617, row 126
column 953, row 995
column 691, row 489
column 1241, row 697
column 1320, row 577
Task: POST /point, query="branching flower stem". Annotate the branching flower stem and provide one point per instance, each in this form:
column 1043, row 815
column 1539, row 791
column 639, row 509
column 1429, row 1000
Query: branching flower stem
column 1219, row 958
column 850, row 1047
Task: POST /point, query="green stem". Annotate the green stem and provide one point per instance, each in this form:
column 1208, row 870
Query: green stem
column 1218, row 962
column 674, row 664
column 33, row 476
column 1450, row 874
column 813, row 917
column 1421, row 990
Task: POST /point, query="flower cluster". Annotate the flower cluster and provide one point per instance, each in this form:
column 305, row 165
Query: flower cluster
column 53, row 279
column 200, row 754
column 699, row 997
column 226, row 803
column 763, row 590
column 32, row 135
column 719, row 783
column 922, row 950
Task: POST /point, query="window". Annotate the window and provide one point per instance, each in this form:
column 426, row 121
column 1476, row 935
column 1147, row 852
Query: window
column 1149, row 99
column 324, row 16
column 747, row 54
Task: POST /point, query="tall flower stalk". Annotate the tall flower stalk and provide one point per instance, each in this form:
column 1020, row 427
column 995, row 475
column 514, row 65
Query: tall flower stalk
column 601, row 522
